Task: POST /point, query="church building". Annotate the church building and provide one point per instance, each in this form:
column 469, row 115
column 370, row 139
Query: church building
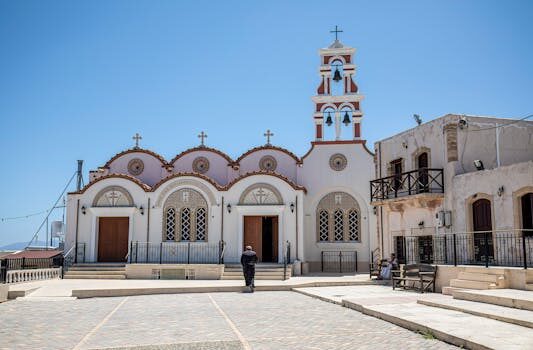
column 202, row 206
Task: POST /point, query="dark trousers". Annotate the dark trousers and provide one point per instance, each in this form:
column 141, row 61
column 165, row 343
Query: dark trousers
column 249, row 274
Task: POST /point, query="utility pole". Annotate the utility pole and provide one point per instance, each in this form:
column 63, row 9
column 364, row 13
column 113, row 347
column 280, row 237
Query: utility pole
column 80, row 176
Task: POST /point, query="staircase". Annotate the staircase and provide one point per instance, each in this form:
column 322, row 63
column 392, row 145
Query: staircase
column 108, row 271
column 262, row 272
column 478, row 278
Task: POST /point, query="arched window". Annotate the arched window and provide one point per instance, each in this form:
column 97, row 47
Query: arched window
column 323, row 226
column 170, row 219
column 338, row 218
column 353, row 225
column 186, row 216
column 201, row 224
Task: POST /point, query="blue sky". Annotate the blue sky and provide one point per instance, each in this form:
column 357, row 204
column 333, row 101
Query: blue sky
column 78, row 79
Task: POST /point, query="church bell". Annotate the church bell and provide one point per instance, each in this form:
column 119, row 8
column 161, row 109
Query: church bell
column 337, row 75
column 328, row 120
column 346, row 119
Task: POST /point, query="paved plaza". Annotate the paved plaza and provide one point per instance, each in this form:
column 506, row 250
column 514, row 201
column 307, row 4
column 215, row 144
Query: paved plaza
column 263, row 320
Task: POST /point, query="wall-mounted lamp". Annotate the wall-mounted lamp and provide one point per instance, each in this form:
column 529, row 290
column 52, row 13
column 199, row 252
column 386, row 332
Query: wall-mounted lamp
column 421, row 224
column 462, row 123
column 500, row 191
column 478, row 164
column 292, row 207
column 141, row 209
column 229, row 208
column 83, row 210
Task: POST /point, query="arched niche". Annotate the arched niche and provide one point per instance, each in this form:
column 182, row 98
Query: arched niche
column 261, row 194
column 113, row 196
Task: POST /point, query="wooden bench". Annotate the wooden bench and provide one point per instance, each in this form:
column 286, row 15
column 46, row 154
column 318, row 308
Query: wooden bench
column 420, row 277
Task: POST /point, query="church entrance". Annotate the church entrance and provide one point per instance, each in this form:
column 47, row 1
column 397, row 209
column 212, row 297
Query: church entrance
column 261, row 232
column 113, row 239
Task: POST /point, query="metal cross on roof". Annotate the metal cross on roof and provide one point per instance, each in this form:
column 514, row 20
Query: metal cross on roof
column 268, row 134
column 202, row 136
column 137, row 137
column 336, row 31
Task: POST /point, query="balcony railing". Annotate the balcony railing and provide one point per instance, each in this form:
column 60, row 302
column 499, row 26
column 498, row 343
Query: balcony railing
column 423, row 180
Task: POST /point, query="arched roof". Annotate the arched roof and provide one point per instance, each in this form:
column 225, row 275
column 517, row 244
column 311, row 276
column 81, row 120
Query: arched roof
column 269, row 147
column 176, row 175
column 267, row 173
column 136, row 181
column 202, row 148
column 135, row 150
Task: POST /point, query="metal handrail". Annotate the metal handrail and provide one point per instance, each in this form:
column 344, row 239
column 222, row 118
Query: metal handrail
column 69, row 251
column 221, row 257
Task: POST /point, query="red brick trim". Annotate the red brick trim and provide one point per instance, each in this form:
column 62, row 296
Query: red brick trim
column 200, row 148
column 135, row 150
column 273, row 148
column 136, row 181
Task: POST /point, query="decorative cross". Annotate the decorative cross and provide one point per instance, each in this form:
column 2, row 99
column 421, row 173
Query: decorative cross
column 336, row 31
column 268, row 134
column 260, row 194
column 202, row 136
column 137, row 137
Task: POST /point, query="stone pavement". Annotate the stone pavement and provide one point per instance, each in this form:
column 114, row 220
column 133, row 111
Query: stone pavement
column 262, row 320
column 91, row 288
column 471, row 326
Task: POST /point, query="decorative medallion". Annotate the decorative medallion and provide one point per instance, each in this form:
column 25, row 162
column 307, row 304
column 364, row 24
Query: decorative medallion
column 268, row 163
column 200, row 165
column 338, row 162
column 135, row 166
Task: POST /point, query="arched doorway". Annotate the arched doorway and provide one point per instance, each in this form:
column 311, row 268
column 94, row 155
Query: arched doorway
column 482, row 226
column 526, row 202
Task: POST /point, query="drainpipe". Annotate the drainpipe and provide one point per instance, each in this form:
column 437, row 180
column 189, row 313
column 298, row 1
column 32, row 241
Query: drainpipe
column 380, row 207
column 222, row 220
column 296, row 210
column 76, row 242
column 148, row 224
column 497, row 145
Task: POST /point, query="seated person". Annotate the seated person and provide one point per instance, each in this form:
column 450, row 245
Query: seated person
column 385, row 273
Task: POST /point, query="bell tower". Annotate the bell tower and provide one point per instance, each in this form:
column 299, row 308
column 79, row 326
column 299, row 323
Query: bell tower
column 337, row 100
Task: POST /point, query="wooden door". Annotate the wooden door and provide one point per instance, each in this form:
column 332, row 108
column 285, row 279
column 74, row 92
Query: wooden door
column 253, row 234
column 527, row 214
column 423, row 172
column 275, row 239
column 482, row 221
column 113, row 239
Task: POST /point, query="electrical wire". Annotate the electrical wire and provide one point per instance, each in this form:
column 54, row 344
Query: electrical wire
column 502, row 125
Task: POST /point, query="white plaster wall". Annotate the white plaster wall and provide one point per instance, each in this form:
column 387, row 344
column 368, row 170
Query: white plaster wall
column 319, row 180
column 218, row 165
column 286, row 164
column 512, row 178
column 153, row 171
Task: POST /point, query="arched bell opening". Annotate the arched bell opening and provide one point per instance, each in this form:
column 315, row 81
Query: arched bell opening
column 329, row 123
column 337, row 77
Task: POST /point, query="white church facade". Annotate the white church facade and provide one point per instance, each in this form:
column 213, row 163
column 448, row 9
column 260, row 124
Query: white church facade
column 141, row 208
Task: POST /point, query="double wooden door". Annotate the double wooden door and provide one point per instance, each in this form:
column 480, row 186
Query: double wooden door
column 482, row 221
column 261, row 232
column 113, row 239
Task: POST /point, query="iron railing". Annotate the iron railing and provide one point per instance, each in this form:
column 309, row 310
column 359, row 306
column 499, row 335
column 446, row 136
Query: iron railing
column 176, row 253
column 423, row 180
column 33, row 263
column 339, row 261
column 486, row 248
column 3, row 270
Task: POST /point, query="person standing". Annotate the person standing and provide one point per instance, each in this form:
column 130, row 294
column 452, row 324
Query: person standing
column 248, row 261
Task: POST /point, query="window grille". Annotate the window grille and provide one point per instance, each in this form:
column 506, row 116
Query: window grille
column 201, row 224
column 323, row 226
column 353, row 225
column 338, row 229
column 185, row 224
column 171, row 224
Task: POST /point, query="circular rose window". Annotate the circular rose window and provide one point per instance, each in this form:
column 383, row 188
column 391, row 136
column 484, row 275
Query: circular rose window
column 135, row 166
column 338, row 162
column 200, row 165
column 268, row 163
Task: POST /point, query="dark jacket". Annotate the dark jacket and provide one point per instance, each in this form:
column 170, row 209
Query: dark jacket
column 248, row 258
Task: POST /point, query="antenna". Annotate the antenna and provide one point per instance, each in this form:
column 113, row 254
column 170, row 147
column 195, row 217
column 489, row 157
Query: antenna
column 418, row 119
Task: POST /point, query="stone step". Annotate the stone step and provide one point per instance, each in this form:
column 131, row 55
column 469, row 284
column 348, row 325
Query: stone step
column 449, row 290
column 482, row 277
column 239, row 278
column 91, row 268
column 261, row 270
column 518, row 299
column 529, row 286
column 99, row 265
column 95, row 277
column 501, row 313
column 466, row 284
column 487, row 270
column 269, row 272
column 95, row 272
column 457, row 328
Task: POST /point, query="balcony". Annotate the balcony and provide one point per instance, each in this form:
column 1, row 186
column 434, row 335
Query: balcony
column 423, row 180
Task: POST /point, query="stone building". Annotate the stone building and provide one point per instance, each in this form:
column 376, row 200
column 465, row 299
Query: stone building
column 141, row 207
column 458, row 174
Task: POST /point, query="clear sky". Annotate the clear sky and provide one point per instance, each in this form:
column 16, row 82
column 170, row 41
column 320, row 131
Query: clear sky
column 78, row 79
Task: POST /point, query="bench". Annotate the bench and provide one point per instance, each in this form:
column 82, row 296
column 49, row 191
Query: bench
column 420, row 277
